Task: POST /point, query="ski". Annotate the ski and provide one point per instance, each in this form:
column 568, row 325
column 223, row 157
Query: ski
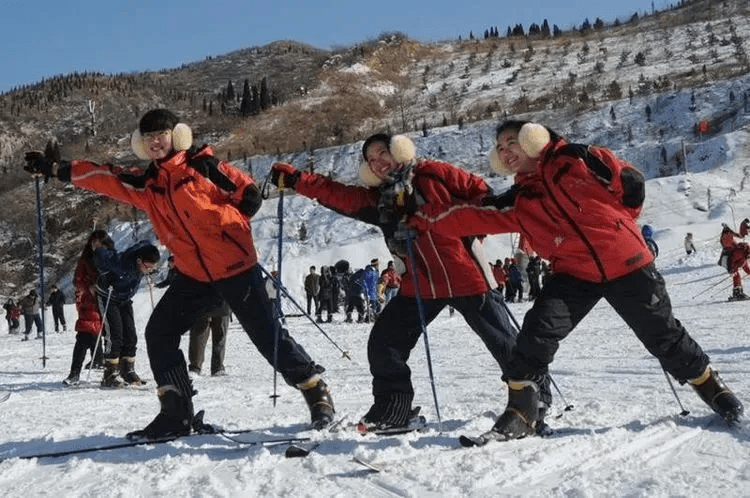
column 366, row 464
column 4, row 395
column 300, row 451
column 472, row 441
column 130, row 443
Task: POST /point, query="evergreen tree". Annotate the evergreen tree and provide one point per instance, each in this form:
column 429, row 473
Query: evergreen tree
column 230, row 91
column 246, row 104
column 265, row 95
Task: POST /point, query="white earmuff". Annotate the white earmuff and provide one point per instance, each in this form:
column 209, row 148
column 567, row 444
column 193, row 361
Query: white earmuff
column 533, row 138
column 182, row 139
column 403, row 151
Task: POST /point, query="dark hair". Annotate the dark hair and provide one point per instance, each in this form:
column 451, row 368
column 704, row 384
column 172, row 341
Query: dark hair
column 98, row 235
column 378, row 137
column 148, row 253
column 157, row 120
column 515, row 126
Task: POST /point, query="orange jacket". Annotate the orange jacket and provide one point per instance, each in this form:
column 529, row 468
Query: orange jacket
column 200, row 223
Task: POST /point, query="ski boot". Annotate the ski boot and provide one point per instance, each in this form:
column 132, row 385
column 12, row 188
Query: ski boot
column 521, row 416
column 73, row 378
column 712, row 390
column 174, row 420
column 127, row 371
column 111, row 371
column 319, row 319
column 390, row 412
column 348, row 318
column 738, row 294
column 318, row 398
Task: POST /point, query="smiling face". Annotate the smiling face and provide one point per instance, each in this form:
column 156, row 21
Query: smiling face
column 380, row 160
column 511, row 154
column 158, row 144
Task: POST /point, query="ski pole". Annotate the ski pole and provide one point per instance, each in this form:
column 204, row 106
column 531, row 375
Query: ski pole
column 722, row 289
column 41, row 267
column 420, row 310
column 278, row 284
column 707, row 289
column 99, row 336
column 280, row 215
column 683, row 411
column 568, row 406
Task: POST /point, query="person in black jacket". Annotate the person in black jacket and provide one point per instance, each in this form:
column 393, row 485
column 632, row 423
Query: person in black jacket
column 325, row 296
column 119, row 277
column 56, row 300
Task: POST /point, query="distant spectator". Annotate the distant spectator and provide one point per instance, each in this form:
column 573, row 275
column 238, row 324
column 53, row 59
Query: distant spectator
column 372, row 275
column 30, row 305
column 12, row 314
column 392, row 281
column 312, row 289
column 328, row 285
column 499, row 273
column 689, row 247
column 648, row 236
column 56, row 301
column 215, row 323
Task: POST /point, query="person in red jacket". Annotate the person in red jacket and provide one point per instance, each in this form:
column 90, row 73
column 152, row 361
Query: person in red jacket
column 450, row 270
column 391, row 282
column 577, row 206
column 200, row 209
column 88, row 326
column 736, row 251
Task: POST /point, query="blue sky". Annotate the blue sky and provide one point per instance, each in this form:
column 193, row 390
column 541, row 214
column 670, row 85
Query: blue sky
column 47, row 38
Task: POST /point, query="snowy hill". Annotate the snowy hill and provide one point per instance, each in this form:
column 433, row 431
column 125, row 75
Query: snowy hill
column 624, row 435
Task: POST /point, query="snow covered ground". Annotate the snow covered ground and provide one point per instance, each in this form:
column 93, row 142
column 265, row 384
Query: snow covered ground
column 624, row 435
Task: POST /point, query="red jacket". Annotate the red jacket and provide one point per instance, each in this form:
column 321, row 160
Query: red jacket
column 738, row 250
column 569, row 216
column 89, row 317
column 447, row 265
column 199, row 222
column 390, row 278
column 499, row 272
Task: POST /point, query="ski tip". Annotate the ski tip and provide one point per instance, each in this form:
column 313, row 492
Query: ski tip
column 295, row 451
column 472, row 441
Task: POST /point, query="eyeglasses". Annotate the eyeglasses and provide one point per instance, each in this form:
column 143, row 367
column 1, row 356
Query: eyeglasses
column 150, row 135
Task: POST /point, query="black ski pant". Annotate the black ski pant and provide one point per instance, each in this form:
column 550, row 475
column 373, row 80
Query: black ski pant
column 119, row 326
column 187, row 300
column 640, row 298
column 397, row 330
column 58, row 315
column 84, row 342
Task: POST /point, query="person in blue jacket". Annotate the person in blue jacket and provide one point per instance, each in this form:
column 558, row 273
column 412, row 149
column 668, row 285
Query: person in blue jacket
column 648, row 236
column 119, row 277
column 372, row 274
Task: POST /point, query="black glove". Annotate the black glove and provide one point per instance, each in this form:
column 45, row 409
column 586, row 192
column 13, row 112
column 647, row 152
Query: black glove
column 37, row 164
column 284, row 175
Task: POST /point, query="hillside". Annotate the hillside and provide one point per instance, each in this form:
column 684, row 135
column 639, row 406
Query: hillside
column 647, row 82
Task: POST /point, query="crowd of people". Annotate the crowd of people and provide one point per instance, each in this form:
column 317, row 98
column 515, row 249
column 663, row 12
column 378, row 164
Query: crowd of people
column 575, row 206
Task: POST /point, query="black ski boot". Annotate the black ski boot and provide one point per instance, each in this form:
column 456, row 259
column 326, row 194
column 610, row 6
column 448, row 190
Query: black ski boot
column 318, row 397
column 111, row 371
column 389, row 412
column 521, row 416
column 174, row 420
column 711, row 388
column 738, row 294
column 127, row 371
column 73, row 378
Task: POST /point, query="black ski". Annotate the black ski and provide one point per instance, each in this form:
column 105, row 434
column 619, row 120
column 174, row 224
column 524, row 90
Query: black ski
column 300, row 451
column 4, row 395
column 472, row 441
column 226, row 434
